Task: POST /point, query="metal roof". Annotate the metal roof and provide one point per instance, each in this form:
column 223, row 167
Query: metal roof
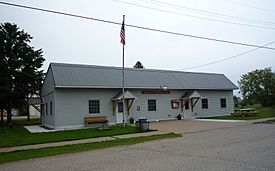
column 127, row 95
column 34, row 100
column 91, row 76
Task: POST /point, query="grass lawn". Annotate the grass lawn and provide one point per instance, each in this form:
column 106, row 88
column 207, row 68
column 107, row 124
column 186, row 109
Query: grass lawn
column 264, row 112
column 18, row 135
column 51, row 151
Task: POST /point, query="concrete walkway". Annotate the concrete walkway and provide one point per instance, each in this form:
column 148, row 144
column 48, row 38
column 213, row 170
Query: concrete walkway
column 82, row 141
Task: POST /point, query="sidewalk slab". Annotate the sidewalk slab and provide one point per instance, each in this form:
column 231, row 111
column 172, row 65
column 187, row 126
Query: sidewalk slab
column 82, row 141
column 37, row 129
column 144, row 134
column 55, row 144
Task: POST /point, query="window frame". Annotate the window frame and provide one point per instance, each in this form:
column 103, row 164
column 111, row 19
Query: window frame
column 223, row 103
column 204, row 104
column 94, row 109
column 51, row 108
column 186, row 107
column 120, row 107
column 46, row 108
column 175, row 104
column 152, row 105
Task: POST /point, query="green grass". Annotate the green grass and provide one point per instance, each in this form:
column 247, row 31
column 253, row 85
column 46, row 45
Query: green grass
column 18, row 135
column 51, row 151
column 264, row 112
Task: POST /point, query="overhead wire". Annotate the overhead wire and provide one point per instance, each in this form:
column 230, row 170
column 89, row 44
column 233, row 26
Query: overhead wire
column 136, row 26
column 250, row 6
column 225, row 59
column 204, row 12
column 192, row 16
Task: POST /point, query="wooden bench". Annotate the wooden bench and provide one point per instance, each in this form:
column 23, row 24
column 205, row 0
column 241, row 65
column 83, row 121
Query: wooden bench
column 95, row 119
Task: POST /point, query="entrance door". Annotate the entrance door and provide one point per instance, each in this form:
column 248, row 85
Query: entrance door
column 119, row 112
column 188, row 114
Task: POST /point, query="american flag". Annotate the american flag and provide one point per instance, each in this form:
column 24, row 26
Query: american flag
column 122, row 33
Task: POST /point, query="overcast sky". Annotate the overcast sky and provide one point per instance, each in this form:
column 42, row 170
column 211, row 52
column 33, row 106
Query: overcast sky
column 74, row 40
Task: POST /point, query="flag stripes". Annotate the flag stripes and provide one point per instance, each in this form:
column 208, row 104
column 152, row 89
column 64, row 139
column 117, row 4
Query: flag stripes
column 122, row 33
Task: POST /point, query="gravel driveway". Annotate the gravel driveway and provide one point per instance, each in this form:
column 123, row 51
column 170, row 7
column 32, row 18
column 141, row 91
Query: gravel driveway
column 189, row 126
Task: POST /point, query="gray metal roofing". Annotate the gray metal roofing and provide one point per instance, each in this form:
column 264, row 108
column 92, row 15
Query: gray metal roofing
column 81, row 76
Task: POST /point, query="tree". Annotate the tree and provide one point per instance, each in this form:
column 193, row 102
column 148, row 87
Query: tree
column 236, row 101
column 20, row 68
column 258, row 87
column 139, row 65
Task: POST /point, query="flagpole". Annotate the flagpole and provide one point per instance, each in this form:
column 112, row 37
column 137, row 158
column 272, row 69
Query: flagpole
column 123, row 79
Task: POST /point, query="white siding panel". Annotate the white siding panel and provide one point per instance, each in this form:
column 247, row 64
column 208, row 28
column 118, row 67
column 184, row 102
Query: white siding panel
column 49, row 120
column 71, row 105
column 48, row 84
column 214, row 104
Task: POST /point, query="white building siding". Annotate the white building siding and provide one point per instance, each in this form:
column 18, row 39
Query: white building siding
column 48, row 84
column 214, row 104
column 163, row 105
column 70, row 106
column 48, row 118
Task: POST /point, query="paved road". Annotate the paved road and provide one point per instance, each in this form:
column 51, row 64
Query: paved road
column 246, row 147
column 189, row 126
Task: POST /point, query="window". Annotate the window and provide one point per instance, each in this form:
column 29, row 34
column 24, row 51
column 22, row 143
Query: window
column 51, row 108
column 175, row 104
column 43, row 109
column 204, row 103
column 120, row 107
column 94, row 106
column 152, row 106
column 138, row 108
column 223, row 103
column 186, row 105
column 46, row 106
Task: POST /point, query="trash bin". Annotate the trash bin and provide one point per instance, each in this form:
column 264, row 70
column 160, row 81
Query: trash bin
column 143, row 124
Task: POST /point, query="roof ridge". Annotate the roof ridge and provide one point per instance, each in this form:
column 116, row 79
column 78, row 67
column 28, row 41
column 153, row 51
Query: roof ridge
column 127, row 68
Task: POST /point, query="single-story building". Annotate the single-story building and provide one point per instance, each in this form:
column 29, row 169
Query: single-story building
column 71, row 92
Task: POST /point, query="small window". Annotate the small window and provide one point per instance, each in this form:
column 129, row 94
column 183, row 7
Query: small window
column 152, row 105
column 223, row 103
column 120, row 107
column 186, row 105
column 51, row 108
column 46, row 106
column 175, row 104
column 94, row 106
column 42, row 109
column 204, row 103
column 138, row 108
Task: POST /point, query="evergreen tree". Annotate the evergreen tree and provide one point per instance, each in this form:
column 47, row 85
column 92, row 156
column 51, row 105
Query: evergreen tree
column 20, row 67
column 139, row 65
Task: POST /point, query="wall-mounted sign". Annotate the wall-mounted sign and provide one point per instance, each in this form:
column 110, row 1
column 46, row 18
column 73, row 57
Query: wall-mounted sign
column 155, row 92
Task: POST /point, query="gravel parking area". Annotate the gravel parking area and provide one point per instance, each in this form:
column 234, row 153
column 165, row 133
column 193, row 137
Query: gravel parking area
column 192, row 125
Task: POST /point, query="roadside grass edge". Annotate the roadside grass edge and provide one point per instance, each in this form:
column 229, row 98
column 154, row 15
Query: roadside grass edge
column 53, row 151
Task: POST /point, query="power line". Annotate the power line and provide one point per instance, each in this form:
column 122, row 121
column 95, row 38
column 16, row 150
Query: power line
column 250, row 6
column 228, row 58
column 192, row 16
column 135, row 26
column 205, row 12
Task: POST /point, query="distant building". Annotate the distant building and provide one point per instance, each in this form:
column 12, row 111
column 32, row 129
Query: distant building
column 34, row 104
column 71, row 92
